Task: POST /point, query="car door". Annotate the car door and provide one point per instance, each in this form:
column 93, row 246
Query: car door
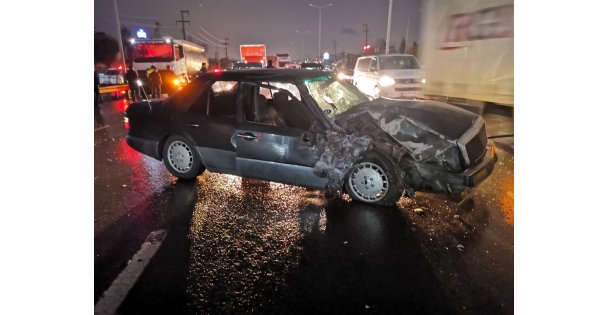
column 211, row 123
column 372, row 77
column 271, row 149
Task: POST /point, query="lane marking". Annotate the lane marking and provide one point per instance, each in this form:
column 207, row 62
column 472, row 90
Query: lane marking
column 100, row 128
column 112, row 298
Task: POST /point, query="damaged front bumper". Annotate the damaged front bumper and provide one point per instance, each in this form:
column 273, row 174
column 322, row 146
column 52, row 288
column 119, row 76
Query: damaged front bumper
column 475, row 175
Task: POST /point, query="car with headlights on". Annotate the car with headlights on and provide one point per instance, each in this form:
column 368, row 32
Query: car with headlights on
column 389, row 76
column 308, row 128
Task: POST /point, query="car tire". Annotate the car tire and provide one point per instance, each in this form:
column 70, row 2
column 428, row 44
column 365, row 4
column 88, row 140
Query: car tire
column 180, row 158
column 371, row 180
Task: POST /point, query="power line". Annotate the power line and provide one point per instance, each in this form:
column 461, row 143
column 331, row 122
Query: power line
column 365, row 30
column 198, row 38
column 183, row 22
column 209, row 40
column 217, row 39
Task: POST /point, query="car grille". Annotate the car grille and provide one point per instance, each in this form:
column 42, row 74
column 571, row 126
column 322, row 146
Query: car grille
column 407, row 81
column 476, row 147
column 403, row 89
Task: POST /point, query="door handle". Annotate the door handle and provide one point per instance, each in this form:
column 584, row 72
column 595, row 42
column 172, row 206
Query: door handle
column 247, row 136
column 306, row 137
column 193, row 125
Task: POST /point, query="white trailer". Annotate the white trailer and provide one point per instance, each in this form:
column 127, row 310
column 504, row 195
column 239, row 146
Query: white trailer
column 183, row 58
column 467, row 50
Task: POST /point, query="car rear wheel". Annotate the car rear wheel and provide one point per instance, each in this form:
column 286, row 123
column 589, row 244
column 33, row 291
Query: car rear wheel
column 372, row 181
column 180, row 158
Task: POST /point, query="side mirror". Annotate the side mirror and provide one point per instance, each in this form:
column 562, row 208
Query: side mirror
column 373, row 68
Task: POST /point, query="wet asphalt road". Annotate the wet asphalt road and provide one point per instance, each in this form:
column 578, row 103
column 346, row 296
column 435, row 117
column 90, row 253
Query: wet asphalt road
column 245, row 246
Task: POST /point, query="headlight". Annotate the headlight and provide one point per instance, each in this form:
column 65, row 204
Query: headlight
column 386, row 81
column 423, row 81
column 176, row 82
column 139, row 83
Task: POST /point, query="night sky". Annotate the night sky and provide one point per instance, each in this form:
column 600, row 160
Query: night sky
column 289, row 26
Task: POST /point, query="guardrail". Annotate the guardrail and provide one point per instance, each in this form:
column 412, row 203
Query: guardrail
column 113, row 88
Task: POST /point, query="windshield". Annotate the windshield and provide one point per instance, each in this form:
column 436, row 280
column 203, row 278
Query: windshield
column 153, row 52
column 398, row 62
column 334, row 95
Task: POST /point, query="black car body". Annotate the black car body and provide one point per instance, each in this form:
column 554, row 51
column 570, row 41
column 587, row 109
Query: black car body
column 307, row 128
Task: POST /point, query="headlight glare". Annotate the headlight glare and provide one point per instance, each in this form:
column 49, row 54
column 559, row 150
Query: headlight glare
column 386, row 81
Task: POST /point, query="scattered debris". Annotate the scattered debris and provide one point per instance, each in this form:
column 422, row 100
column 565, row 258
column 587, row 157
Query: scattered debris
column 456, row 216
column 366, row 306
column 124, row 185
column 419, row 210
column 460, row 247
column 345, row 242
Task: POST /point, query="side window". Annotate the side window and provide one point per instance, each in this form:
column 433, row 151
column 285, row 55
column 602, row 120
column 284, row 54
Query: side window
column 200, row 103
column 280, row 104
column 363, row 64
column 373, row 64
column 222, row 99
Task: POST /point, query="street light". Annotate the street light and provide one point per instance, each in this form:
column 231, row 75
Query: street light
column 122, row 50
column 320, row 7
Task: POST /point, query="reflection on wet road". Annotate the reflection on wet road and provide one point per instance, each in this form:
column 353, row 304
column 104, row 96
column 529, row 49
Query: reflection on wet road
column 246, row 246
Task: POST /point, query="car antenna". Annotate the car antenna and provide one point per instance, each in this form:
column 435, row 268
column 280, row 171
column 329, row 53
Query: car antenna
column 146, row 95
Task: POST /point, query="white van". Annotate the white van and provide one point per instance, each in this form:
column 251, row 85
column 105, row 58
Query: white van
column 390, row 76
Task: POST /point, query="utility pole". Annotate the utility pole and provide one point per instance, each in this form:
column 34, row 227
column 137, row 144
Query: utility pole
column 320, row 7
column 157, row 30
column 407, row 32
column 183, row 22
column 335, row 49
column 217, row 54
column 388, row 26
column 365, row 30
column 226, row 47
column 122, row 50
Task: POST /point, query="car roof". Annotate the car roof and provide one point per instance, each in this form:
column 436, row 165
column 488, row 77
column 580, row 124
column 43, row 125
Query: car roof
column 266, row 74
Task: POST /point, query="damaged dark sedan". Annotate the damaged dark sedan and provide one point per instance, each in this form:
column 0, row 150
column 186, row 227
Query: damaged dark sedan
column 308, row 128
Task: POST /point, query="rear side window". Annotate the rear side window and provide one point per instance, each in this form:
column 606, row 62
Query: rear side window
column 222, row 99
column 363, row 64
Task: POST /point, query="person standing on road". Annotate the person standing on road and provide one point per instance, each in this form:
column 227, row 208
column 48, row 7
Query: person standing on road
column 131, row 77
column 156, row 81
column 270, row 66
column 168, row 81
column 96, row 89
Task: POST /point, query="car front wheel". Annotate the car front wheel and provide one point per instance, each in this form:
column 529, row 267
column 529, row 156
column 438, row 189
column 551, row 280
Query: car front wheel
column 180, row 159
column 372, row 181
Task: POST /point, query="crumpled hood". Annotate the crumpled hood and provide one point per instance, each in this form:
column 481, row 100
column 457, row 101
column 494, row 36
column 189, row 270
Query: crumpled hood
column 440, row 118
column 425, row 128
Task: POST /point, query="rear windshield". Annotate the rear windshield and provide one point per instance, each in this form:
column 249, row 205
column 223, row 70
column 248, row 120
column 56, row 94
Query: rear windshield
column 398, row 62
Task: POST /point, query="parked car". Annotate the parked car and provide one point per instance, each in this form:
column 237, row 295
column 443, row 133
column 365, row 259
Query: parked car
column 391, row 76
column 112, row 76
column 307, row 128
column 247, row 65
column 312, row 66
